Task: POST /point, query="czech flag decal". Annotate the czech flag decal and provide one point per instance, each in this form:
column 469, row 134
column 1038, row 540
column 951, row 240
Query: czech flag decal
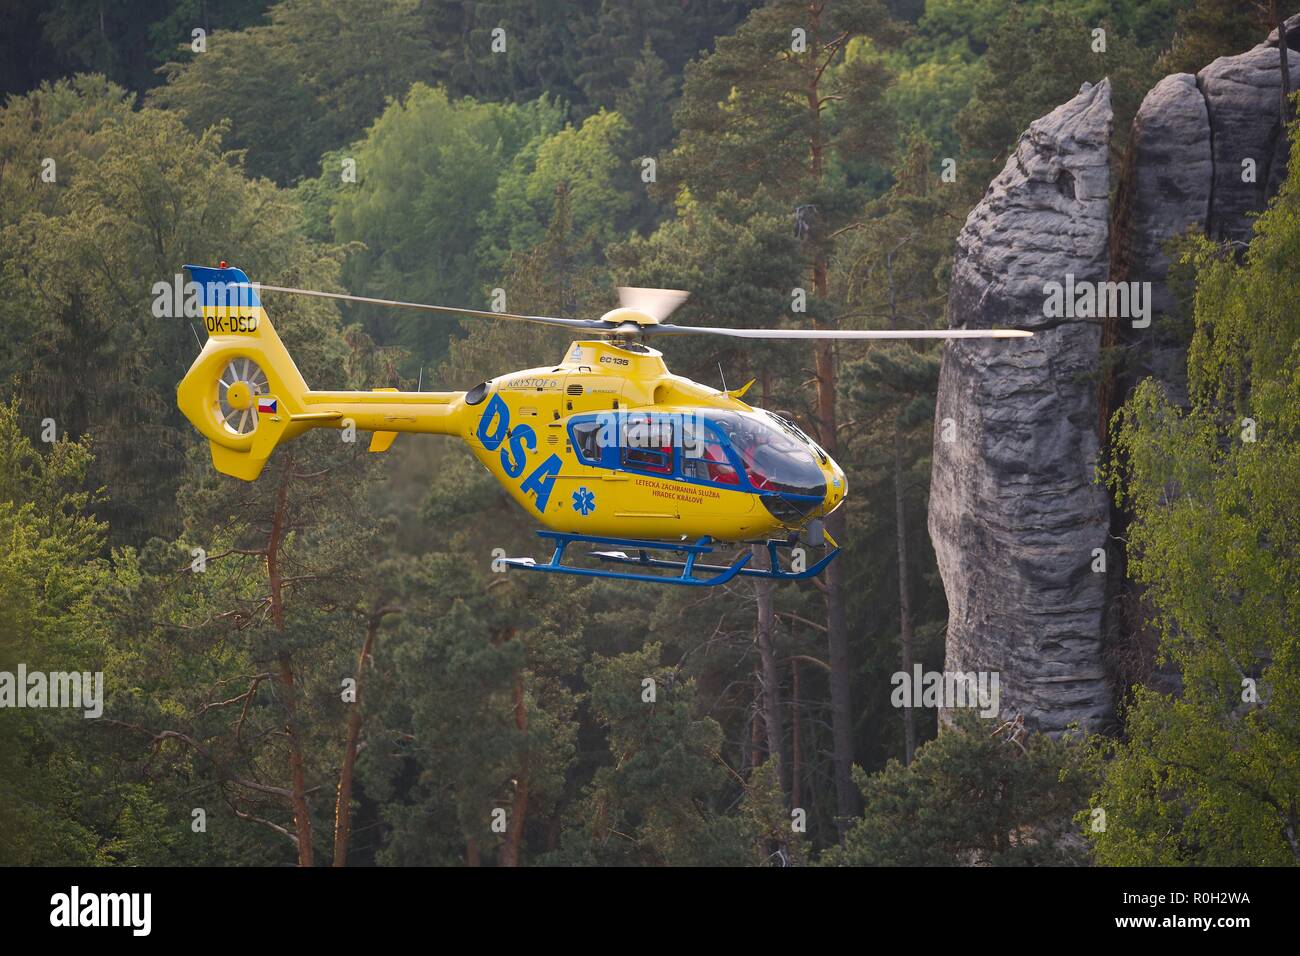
column 266, row 406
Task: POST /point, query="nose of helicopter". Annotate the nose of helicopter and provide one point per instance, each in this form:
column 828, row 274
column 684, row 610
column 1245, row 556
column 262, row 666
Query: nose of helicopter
column 836, row 487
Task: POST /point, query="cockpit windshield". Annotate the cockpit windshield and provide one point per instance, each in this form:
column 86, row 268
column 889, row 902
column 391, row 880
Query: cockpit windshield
column 744, row 449
column 775, row 458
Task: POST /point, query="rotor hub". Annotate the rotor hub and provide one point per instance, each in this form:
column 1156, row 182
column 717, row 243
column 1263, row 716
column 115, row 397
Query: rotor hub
column 239, row 395
column 235, row 394
column 625, row 316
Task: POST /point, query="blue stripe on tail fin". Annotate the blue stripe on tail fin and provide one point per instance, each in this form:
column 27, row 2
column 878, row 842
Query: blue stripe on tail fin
column 223, row 288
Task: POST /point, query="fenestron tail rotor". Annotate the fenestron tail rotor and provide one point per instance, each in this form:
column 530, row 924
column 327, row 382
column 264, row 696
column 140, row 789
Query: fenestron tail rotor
column 641, row 314
column 238, row 387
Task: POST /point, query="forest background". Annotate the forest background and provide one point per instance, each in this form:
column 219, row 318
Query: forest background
column 323, row 667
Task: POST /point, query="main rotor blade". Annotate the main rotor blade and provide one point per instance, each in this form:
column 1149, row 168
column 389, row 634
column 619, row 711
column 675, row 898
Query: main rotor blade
column 448, row 309
column 660, row 302
column 663, row 329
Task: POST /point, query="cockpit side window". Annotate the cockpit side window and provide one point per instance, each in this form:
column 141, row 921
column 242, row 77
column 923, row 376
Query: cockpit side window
column 703, row 457
column 741, row 450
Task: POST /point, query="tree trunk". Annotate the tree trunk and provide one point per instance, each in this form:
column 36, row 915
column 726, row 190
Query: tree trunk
column 519, row 806
column 796, row 739
column 837, row 639
column 343, row 803
column 904, row 595
column 765, row 637
column 301, row 811
column 765, row 634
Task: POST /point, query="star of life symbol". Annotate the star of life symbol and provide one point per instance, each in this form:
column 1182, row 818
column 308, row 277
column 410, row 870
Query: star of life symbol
column 584, row 501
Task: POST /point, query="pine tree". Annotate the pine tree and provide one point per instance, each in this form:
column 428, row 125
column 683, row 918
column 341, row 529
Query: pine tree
column 774, row 108
column 646, row 104
column 1208, row 29
column 891, row 272
column 973, row 798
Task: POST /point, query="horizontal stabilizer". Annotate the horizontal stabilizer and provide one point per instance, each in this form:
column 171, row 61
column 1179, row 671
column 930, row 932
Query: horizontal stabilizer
column 382, row 441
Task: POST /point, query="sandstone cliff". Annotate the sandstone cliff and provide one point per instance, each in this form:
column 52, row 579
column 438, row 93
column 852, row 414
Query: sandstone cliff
column 1014, row 511
column 1015, row 515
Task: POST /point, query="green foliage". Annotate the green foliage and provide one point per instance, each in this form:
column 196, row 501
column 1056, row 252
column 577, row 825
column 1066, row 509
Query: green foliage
column 891, row 269
column 740, row 261
column 745, row 120
column 1209, row 29
column 455, row 662
column 1209, row 776
column 582, row 52
column 585, row 162
column 61, row 119
column 308, row 81
column 1035, row 63
column 897, row 382
column 932, row 90
column 519, row 698
column 136, row 196
column 622, row 34
column 227, row 655
column 977, row 795
column 891, row 272
column 975, row 22
column 658, row 803
column 426, row 174
column 126, row 42
column 506, row 52
column 54, row 591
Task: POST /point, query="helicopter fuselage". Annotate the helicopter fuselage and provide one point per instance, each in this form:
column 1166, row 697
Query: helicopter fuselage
column 609, row 442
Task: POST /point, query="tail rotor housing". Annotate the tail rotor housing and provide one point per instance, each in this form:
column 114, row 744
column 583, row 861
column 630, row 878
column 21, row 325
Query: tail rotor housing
column 243, row 390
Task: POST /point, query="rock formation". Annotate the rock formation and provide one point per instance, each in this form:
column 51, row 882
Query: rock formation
column 1166, row 191
column 1015, row 515
column 1242, row 97
column 1205, row 153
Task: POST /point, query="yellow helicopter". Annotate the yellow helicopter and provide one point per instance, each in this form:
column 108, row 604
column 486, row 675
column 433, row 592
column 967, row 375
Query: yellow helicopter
column 607, row 447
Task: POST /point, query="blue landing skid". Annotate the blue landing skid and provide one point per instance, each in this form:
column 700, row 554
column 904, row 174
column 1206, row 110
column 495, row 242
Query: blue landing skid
column 690, row 570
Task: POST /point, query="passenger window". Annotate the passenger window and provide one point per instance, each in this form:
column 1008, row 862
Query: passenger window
column 647, row 444
column 586, row 442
